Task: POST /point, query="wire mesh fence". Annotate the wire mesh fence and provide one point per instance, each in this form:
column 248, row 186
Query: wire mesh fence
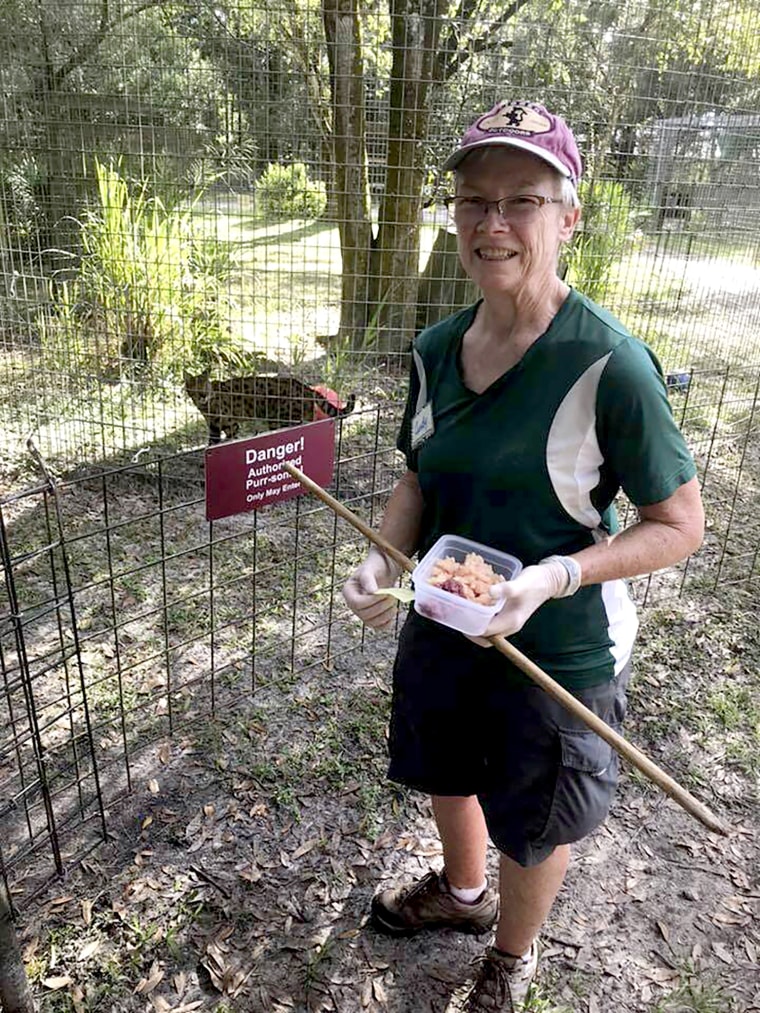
column 717, row 412
column 191, row 194
column 125, row 615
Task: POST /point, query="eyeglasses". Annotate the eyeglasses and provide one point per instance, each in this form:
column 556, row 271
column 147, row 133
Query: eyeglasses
column 515, row 210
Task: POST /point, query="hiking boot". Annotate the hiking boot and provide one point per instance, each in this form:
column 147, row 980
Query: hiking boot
column 501, row 984
column 428, row 904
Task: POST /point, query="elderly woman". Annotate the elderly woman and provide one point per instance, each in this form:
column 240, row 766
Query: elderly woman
column 526, row 415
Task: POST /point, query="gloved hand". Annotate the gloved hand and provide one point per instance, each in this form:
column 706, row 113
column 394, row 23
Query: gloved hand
column 522, row 596
column 377, row 570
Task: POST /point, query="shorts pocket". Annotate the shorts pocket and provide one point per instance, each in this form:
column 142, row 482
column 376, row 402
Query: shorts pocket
column 586, row 781
column 585, row 751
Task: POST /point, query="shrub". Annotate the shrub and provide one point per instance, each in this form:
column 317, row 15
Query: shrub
column 285, row 191
column 605, row 230
column 148, row 291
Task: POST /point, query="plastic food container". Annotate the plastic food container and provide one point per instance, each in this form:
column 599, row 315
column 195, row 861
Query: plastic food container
column 447, row 608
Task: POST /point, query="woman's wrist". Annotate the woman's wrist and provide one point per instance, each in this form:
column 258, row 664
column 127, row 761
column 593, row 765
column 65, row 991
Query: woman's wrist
column 389, row 561
column 568, row 572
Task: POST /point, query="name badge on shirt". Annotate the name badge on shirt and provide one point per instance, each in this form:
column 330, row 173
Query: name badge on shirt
column 422, row 425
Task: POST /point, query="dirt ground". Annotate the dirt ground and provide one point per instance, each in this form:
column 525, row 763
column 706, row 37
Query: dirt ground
column 241, row 869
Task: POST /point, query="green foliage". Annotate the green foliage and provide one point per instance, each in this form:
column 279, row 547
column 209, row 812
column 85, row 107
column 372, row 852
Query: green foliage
column 696, row 996
column 147, row 292
column 285, row 191
column 605, row 230
column 230, row 157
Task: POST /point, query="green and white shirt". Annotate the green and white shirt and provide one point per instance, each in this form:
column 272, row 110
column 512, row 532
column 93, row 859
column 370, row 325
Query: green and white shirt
column 532, row 465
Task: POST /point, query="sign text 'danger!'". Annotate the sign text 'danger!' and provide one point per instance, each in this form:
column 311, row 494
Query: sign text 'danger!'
column 247, row 474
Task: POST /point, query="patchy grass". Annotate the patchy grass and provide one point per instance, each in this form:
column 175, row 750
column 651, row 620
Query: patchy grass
column 289, row 286
column 690, row 300
column 696, row 997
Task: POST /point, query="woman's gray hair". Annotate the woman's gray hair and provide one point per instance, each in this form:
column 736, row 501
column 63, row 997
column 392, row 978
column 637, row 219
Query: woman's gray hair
column 569, row 193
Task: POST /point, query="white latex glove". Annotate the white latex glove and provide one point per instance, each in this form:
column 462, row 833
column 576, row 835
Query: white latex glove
column 377, row 570
column 522, row 596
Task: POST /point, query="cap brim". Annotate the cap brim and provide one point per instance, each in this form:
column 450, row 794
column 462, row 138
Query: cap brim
column 505, row 142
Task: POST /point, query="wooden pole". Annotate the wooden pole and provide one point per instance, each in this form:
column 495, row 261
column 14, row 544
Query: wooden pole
column 621, row 745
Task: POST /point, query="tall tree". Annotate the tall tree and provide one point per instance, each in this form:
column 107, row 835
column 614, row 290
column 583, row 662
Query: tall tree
column 616, row 69
column 380, row 272
column 430, row 43
column 394, row 265
column 349, row 159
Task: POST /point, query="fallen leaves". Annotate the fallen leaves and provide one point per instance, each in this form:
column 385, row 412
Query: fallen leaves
column 723, row 952
column 162, row 1005
column 304, row 849
column 661, row 975
column 58, row 902
column 89, row 950
column 288, row 885
column 373, row 991
column 365, row 996
column 735, row 910
column 228, row 968
column 56, row 983
column 430, row 848
column 378, row 991
column 250, row 872
column 155, row 976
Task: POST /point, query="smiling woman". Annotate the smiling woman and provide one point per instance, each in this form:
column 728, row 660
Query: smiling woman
column 526, row 414
column 525, row 227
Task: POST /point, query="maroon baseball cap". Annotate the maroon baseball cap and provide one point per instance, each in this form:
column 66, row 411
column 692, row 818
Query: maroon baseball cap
column 525, row 125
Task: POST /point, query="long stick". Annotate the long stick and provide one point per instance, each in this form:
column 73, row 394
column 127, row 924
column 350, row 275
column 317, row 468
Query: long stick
column 634, row 756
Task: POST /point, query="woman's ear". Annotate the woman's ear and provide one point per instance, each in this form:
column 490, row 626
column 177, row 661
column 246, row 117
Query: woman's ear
column 568, row 222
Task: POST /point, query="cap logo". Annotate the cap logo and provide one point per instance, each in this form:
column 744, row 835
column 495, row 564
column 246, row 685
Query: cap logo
column 515, row 118
column 518, row 123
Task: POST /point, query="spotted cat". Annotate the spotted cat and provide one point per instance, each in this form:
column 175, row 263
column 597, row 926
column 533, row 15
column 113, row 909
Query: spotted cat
column 271, row 400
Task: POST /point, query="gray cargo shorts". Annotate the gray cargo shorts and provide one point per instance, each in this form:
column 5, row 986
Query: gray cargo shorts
column 465, row 721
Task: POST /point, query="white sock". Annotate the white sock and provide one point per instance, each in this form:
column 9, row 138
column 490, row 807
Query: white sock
column 515, row 960
column 468, row 895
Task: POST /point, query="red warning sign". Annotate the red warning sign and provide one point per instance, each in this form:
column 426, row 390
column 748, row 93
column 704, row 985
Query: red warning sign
column 247, row 474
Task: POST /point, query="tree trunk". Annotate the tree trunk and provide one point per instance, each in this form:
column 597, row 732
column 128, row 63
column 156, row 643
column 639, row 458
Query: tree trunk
column 15, row 996
column 395, row 260
column 351, row 180
column 55, row 154
column 382, row 285
column 444, row 287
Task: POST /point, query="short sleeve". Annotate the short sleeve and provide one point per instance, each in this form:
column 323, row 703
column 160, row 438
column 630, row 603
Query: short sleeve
column 404, row 437
column 637, row 433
